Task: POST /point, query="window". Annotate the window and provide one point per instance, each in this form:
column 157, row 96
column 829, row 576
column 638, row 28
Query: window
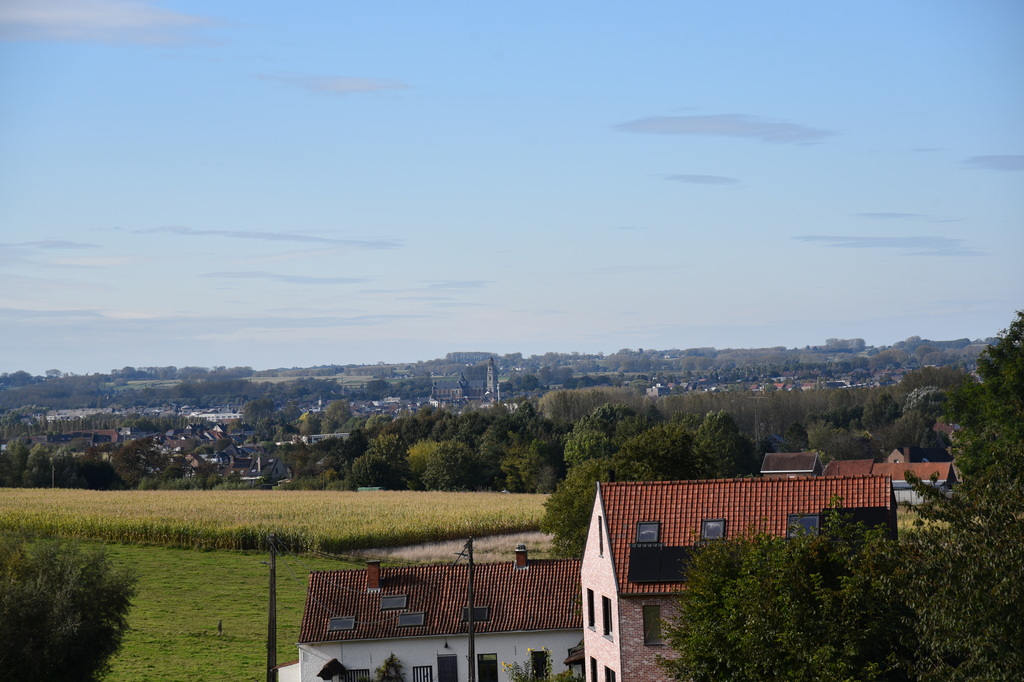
column 362, row 675
column 648, row 531
column 652, row 624
column 539, row 663
column 487, row 667
column 712, row 529
column 480, row 613
column 802, row 524
column 606, row 613
column 345, row 623
column 447, row 668
column 395, row 601
column 406, row 620
column 422, row 673
column 593, row 670
column 609, row 675
column 590, row 608
column 600, row 536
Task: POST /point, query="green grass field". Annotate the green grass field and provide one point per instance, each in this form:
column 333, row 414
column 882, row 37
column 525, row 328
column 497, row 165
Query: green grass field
column 182, row 597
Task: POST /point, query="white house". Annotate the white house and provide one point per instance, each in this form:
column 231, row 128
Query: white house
column 525, row 611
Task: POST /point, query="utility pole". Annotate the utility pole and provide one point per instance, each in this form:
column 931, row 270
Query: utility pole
column 472, row 624
column 272, row 614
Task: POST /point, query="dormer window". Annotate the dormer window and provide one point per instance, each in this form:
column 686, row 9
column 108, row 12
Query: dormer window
column 712, row 529
column 394, row 601
column 648, row 531
column 343, row 623
column 802, row 524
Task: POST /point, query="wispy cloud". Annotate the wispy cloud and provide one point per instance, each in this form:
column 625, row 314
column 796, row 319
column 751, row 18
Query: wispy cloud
column 275, row 237
column 999, row 162
column 888, row 216
column 909, row 246
column 287, row 279
column 459, row 284
column 337, row 85
column 130, row 21
column 727, row 125
column 702, row 179
column 51, row 244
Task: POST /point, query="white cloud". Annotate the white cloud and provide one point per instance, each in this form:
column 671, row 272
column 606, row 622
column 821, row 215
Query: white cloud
column 909, row 246
column 727, row 125
column 94, row 20
column 337, row 85
column 999, row 162
column 702, row 179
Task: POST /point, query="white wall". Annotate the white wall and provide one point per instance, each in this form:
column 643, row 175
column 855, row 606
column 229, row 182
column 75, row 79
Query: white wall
column 417, row 651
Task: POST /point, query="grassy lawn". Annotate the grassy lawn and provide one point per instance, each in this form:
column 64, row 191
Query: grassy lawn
column 184, row 594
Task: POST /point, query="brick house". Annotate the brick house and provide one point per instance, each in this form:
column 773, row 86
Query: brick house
column 642, row 534
column 944, row 473
column 525, row 610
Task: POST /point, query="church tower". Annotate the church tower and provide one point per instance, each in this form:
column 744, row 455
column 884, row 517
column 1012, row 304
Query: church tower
column 492, row 378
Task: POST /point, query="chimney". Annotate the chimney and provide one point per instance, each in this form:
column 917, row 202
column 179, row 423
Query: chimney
column 372, row 576
column 521, row 559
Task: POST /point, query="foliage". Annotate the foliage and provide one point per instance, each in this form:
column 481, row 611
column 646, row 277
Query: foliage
column 536, row 668
column 809, row 608
column 63, row 610
column 963, row 573
column 389, row 671
column 567, row 510
column 991, row 413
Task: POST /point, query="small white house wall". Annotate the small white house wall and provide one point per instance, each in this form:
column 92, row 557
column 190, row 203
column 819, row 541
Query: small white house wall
column 421, row 651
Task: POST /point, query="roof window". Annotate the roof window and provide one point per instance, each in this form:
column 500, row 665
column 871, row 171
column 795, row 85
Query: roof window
column 393, row 601
column 343, row 623
column 802, row 524
column 480, row 613
column 648, row 531
column 712, row 529
column 407, row 620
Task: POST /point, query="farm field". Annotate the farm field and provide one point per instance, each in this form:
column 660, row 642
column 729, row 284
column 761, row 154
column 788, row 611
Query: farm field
column 183, row 595
column 327, row 521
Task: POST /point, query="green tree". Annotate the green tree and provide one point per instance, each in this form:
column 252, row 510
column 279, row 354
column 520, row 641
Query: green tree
column 963, row 570
column 991, row 412
column 567, row 510
column 63, row 610
column 452, row 466
column 811, row 608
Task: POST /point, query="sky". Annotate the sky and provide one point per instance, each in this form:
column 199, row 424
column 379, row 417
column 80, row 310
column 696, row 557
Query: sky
column 315, row 182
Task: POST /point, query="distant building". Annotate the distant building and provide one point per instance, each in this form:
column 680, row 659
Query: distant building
column 791, row 464
column 465, row 391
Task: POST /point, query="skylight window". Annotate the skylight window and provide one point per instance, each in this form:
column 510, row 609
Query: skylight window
column 648, row 531
column 712, row 529
column 394, row 601
column 480, row 613
column 406, row 620
column 802, row 524
column 343, row 623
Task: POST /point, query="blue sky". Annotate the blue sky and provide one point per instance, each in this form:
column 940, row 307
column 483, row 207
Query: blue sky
column 290, row 184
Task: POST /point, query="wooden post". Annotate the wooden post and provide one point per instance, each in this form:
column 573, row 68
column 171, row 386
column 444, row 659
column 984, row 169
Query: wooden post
column 472, row 624
column 272, row 614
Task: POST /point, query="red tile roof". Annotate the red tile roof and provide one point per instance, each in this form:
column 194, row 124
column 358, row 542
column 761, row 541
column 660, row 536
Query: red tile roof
column 761, row 504
column 922, row 470
column 543, row 596
column 849, row 467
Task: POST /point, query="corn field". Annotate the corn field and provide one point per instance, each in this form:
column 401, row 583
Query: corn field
column 325, row 521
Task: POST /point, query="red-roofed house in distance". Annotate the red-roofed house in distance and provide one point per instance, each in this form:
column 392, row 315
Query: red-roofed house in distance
column 940, row 475
column 642, row 534
column 524, row 610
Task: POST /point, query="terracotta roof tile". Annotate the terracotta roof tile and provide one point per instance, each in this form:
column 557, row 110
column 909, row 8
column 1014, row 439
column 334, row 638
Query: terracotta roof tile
column 543, row 596
column 760, row 504
column 849, row 467
column 922, row 470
